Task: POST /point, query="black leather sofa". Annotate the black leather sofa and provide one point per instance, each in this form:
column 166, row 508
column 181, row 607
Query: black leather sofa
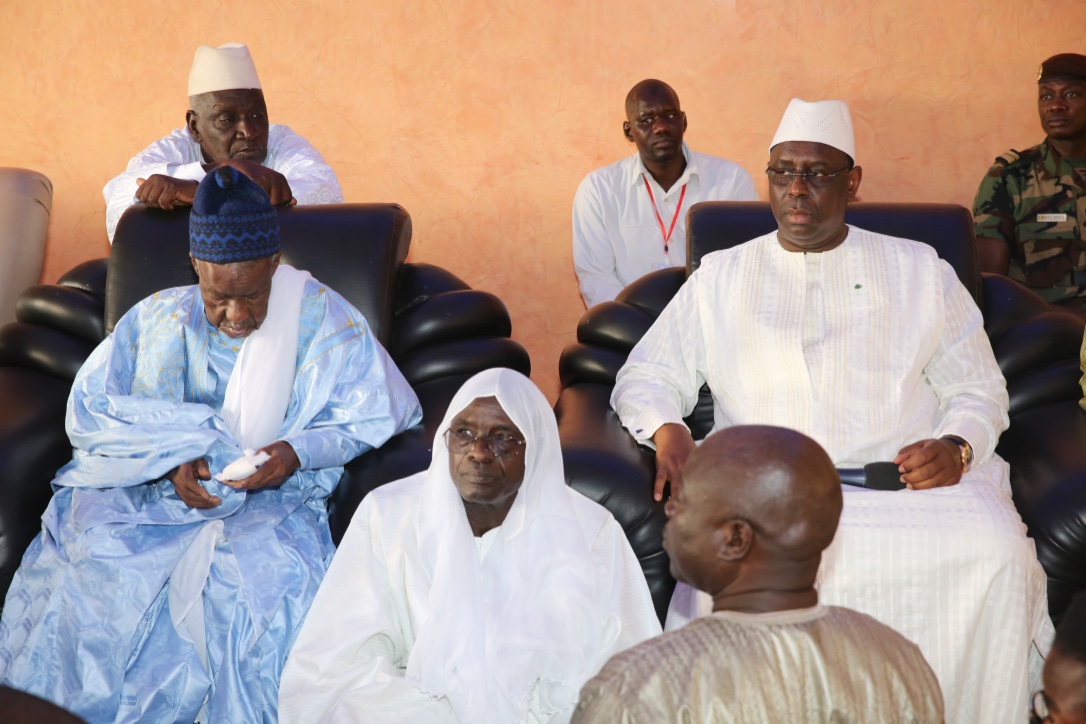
column 1036, row 346
column 437, row 329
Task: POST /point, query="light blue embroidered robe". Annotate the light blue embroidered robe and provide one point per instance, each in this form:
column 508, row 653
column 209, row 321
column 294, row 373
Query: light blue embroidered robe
column 87, row 622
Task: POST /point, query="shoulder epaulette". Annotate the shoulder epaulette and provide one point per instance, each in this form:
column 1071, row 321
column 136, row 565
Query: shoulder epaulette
column 1006, row 159
column 1031, row 155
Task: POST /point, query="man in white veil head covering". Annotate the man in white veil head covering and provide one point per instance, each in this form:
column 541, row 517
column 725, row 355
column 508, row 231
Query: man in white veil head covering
column 483, row 589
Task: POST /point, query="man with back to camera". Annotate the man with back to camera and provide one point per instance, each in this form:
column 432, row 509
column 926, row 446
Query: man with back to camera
column 226, row 125
column 629, row 218
column 1030, row 209
column 757, row 507
column 871, row 346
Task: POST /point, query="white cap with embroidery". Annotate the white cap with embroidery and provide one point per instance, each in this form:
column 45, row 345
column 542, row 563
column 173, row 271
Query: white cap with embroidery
column 226, row 67
column 827, row 122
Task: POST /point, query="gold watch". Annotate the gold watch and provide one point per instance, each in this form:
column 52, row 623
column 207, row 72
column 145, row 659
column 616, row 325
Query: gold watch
column 965, row 449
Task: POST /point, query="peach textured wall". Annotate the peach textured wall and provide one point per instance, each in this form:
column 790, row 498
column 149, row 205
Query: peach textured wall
column 481, row 117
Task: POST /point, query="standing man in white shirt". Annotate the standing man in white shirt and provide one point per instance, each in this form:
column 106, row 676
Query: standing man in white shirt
column 629, row 218
column 226, row 125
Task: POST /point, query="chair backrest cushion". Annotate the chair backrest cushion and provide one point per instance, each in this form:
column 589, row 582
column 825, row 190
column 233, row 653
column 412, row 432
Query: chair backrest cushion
column 715, row 225
column 356, row 249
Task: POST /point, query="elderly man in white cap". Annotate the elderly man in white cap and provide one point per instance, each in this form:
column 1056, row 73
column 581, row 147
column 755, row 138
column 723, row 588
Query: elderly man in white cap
column 871, row 346
column 226, row 125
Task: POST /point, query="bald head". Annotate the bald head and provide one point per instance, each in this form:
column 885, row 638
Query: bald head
column 650, row 90
column 764, row 502
column 780, row 480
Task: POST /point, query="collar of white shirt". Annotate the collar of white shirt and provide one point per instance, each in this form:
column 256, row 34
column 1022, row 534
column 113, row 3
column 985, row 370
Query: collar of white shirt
column 638, row 170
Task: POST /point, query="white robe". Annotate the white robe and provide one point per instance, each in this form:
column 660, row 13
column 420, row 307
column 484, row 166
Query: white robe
column 867, row 348
column 311, row 179
column 510, row 625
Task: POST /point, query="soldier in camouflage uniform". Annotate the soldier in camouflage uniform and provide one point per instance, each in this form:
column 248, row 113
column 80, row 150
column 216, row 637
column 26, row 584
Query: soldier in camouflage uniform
column 1034, row 201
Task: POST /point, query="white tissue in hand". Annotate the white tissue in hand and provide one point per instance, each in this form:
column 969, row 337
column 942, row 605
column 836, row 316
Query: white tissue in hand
column 244, row 466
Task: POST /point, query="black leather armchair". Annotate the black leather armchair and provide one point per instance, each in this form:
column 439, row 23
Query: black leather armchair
column 439, row 331
column 1036, row 346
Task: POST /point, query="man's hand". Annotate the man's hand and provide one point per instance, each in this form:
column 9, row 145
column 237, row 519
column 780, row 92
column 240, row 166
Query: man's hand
column 280, row 465
column 163, row 192
column 929, row 464
column 674, row 443
column 186, row 481
column 274, row 183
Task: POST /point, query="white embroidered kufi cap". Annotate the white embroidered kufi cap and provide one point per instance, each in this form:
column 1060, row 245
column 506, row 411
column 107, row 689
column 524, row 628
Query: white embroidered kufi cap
column 226, row 67
column 827, row 122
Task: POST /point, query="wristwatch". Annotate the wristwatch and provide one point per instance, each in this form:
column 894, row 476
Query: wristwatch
column 965, row 449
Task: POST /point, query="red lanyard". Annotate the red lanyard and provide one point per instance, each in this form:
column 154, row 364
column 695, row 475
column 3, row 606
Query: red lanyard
column 660, row 221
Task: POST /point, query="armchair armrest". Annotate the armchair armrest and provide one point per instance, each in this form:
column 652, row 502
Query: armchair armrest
column 1046, row 449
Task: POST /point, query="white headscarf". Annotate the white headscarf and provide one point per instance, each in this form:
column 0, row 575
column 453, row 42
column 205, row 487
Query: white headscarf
column 530, row 611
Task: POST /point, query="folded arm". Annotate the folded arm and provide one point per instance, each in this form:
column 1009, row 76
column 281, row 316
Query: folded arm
column 311, row 180
column 169, row 168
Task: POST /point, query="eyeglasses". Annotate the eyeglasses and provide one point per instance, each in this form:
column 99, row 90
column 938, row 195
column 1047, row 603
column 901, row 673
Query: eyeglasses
column 1039, row 708
column 817, row 179
column 501, row 444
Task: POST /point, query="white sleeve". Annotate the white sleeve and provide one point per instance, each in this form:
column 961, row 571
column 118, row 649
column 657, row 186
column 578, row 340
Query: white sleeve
column 593, row 258
column 345, row 664
column 660, row 381
column 312, row 181
column 964, row 375
column 170, row 156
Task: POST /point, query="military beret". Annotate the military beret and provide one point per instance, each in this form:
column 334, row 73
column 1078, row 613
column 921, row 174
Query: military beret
column 1065, row 66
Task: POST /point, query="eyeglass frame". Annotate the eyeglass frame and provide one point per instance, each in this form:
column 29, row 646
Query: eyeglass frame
column 815, row 179
column 488, row 443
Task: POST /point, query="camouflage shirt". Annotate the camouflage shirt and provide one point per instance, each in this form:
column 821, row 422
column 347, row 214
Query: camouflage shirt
column 1035, row 202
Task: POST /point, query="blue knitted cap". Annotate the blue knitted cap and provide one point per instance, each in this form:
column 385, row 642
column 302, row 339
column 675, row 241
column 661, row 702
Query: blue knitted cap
column 232, row 219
